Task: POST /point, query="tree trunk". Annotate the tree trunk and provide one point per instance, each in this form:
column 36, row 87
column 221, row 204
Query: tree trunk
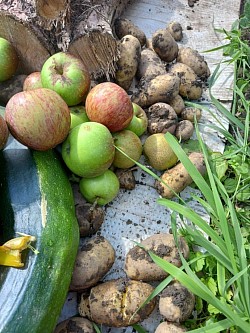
column 93, row 39
column 39, row 28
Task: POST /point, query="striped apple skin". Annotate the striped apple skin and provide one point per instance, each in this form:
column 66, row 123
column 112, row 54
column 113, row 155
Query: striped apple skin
column 39, row 119
column 109, row 104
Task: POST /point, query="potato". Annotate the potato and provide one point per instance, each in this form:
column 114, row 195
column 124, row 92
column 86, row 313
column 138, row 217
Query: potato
column 150, row 65
column 166, row 327
column 127, row 64
column 184, row 130
column 190, row 113
column 94, row 259
column 126, row 178
column 177, row 104
column 123, row 27
column 114, row 302
column 162, row 118
column 190, row 85
column 176, row 302
column 75, row 325
column 162, row 88
column 175, row 29
column 178, row 178
column 194, row 60
column 165, row 45
column 89, row 217
column 140, row 266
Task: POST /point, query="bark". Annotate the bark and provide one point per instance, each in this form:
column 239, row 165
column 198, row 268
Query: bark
column 39, row 28
column 93, row 39
column 11, row 87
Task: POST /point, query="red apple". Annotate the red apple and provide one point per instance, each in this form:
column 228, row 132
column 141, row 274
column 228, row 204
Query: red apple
column 8, row 60
column 39, row 119
column 32, row 81
column 67, row 75
column 109, row 104
column 4, row 132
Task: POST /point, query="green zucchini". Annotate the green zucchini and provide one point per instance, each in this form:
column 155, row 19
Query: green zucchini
column 36, row 199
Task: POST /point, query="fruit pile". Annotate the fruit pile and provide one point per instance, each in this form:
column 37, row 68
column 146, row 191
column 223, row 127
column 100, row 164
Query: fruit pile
column 98, row 128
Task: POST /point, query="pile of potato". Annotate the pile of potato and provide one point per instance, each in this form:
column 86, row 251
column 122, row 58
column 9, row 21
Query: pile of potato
column 117, row 302
column 165, row 74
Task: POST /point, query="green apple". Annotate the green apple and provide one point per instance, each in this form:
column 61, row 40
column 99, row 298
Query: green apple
column 101, row 189
column 130, row 144
column 139, row 122
column 78, row 115
column 89, row 149
column 8, row 60
column 67, row 75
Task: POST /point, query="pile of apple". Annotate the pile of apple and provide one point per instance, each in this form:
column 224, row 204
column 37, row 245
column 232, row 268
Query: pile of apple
column 92, row 126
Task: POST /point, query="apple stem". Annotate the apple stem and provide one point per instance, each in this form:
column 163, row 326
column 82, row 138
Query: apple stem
column 94, row 204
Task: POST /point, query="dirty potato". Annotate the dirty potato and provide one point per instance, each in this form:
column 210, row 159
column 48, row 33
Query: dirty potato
column 115, row 302
column 184, row 130
column 126, row 178
column 75, row 325
column 191, row 113
column 130, row 53
column 194, row 60
column 166, row 327
column 94, row 259
column 176, row 302
column 140, row 266
column 162, row 88
column 150, row 65
column 89, row 217
column 164, row 45
column 190, row 84
column 162, row 118
column 125, row 27
column 177, row 104
column 175, row 29
column 178, row 177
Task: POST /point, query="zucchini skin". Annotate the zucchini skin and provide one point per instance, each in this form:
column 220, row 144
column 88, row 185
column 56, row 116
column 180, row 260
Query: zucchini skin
column 36, row 198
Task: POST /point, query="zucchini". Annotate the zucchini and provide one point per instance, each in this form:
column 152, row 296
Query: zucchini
column 36, row 199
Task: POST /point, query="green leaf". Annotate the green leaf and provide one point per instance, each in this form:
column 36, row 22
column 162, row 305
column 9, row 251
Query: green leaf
column 212, row 285
column 230, row 185
column 139, row 328
column 197, row 265
column 221, row 165
column 212, row 310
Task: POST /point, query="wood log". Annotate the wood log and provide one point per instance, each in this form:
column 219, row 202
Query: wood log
column 11, row 87
column 39, row 28
column 93, row 39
